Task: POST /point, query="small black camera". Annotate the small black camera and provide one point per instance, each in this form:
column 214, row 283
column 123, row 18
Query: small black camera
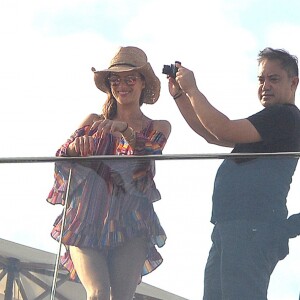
column 171, row 70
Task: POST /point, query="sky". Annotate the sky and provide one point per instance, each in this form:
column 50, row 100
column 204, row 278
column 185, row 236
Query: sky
column 46, row 90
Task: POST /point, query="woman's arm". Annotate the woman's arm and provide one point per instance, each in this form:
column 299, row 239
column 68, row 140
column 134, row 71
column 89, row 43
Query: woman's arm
column 82, row 144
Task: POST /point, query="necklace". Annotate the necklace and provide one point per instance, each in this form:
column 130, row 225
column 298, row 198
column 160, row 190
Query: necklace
column 136, row 123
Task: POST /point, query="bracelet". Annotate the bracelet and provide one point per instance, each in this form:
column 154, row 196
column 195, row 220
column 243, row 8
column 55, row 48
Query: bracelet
column 125, row 128
column 130, row 139
column 177, row 95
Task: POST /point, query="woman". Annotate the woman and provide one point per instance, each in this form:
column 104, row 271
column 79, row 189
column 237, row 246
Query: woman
column 111, row 229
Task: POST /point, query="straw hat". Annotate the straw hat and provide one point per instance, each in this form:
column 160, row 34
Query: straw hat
column 130, row 59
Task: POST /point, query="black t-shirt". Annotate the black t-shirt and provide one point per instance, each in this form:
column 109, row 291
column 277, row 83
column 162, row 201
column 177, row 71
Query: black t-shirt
column 279, row 127
column 257, row 188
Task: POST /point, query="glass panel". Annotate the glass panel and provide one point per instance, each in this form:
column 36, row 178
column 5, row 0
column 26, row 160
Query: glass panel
column 185, row 184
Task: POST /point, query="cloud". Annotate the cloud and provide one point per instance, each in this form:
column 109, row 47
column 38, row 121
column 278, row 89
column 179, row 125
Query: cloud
column 47, row 88
column 279, row 36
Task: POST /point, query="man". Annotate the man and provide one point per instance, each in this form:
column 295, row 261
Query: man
column 249, row 208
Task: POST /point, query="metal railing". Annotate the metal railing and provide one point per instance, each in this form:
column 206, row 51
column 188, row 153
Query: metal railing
column 170, row 157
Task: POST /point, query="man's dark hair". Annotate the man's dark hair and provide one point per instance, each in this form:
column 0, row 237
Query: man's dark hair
column 288, row 62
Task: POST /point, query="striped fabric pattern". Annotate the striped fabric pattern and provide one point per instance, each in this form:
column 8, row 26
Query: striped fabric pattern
column 110, row 202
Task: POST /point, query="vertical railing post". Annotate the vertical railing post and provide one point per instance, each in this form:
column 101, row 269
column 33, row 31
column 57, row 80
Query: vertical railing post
column 53, row 290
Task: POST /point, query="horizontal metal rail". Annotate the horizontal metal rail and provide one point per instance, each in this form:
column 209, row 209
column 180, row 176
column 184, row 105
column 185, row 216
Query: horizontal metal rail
column 6, row 160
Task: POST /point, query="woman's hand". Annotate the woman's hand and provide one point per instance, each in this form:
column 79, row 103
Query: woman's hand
column 84, row 145
column 109, row 126
column 81, row 146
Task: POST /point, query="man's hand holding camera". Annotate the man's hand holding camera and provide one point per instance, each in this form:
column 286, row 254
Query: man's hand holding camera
column 171, row 72
column 181, row 80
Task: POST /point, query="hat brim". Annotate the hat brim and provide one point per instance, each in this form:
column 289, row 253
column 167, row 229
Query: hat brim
column 152, row 83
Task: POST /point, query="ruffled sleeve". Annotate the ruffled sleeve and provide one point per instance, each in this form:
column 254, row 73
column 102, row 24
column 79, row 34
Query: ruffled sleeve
column 134, row 176
column 80, row 171
column 149, row 144
column 62, row 151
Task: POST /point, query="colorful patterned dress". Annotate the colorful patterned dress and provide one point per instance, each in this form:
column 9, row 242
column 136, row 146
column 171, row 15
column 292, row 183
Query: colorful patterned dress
column 110, row 201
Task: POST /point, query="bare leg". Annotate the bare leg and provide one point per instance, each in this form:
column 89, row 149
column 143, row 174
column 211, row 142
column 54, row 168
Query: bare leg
column 125, row 267
column 91, row 267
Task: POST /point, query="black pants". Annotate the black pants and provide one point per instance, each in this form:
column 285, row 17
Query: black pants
column 241, row 260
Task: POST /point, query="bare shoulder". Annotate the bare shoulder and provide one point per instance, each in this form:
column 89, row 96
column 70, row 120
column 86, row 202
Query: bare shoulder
column 90, row 119
column 162, row 126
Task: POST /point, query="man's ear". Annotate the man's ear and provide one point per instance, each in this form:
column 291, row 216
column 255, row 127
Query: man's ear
column 295, row 82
